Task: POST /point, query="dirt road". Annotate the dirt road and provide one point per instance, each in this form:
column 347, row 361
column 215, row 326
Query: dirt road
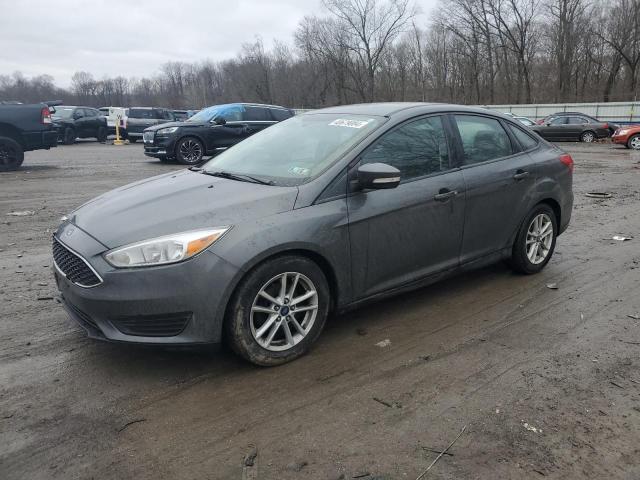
column 547, row 382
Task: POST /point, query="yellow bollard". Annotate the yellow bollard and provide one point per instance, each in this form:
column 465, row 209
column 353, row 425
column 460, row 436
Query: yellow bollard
column 118, row 140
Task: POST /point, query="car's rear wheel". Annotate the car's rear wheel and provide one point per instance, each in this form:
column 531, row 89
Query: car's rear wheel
column 634, row 142
column 536, row 240
column 189, row 151
column 11, row 154
column 278, row 311
column 588, row 137
column 102, row 135
column 69, row 136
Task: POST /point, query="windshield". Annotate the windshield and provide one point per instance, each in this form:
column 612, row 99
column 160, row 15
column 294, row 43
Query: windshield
column 231, row 113
column 62, row 112
column 296, row 150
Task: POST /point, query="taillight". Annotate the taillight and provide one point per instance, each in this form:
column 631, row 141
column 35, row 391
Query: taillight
column 45, row 116
column 567, row 160
column 606, row 125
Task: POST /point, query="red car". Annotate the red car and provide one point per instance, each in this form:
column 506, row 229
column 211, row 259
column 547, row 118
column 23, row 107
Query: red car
column 629, row 136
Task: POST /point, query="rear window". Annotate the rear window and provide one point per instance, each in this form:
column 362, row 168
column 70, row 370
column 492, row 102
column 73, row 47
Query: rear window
column 280, row 114
column 526, row 141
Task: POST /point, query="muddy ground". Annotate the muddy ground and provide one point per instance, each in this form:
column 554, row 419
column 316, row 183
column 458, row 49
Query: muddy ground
column 546, row 382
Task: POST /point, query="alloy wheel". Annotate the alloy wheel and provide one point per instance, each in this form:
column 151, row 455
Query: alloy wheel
column 284, row 311
column 588, row 137
column 191, row 151
column 634, row 143
column 539, row 238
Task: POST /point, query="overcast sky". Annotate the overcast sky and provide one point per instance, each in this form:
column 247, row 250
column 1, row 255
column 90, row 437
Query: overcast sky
column 134, row 37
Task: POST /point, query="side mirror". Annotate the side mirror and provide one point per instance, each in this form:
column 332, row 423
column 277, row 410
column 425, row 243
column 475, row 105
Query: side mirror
column 378, row 176
column 219, row 121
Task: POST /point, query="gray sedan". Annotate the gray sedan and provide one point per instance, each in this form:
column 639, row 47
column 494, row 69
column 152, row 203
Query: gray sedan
column 317, row 214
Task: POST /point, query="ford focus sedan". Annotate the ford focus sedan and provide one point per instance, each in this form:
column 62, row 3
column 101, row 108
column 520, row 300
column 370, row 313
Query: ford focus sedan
column 317, row 214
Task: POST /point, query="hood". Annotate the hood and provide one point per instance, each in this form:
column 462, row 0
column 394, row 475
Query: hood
column 177, row 202
column 175, row 124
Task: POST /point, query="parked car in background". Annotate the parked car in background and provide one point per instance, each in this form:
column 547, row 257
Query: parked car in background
column 210, row 130
column 525, row 121
column 628, row 135
column 180, row 115
column 611, row 126
column 140, row 118
column 113, row 116
column 319, row 213
column 24, row 128
column 79, row 122
column 574, row 128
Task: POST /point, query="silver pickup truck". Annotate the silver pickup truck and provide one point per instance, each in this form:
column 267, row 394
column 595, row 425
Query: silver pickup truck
column 139, row 118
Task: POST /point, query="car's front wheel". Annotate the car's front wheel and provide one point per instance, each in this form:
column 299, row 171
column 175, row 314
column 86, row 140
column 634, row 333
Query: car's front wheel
column 634, row 142
column 189, row 151
column 278, row 311
column 69, row 136
column 536, row 240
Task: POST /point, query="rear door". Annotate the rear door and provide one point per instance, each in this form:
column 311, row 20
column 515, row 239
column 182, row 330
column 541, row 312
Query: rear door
column 404, row 234
column 257, row 119
column 498, row 176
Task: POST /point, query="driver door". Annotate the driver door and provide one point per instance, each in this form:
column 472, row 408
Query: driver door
column 404, row 234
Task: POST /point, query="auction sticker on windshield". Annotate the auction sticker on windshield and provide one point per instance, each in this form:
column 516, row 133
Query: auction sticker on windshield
column 343, row 122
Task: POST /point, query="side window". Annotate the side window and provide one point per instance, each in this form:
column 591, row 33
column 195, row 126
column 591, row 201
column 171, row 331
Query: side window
column 280, row 114
column 417, row 148
column 79, row 113
column 232, row 113
column 558, row 121
column 577, row 121
column 256, row 114
column 524, row 139
column 483, row 139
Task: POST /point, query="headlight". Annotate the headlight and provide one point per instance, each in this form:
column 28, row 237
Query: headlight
column 623, row 132
column 166, row 131
column 164, row 250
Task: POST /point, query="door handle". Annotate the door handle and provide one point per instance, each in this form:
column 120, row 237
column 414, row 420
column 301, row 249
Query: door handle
column 444, row 195
column 520, row 174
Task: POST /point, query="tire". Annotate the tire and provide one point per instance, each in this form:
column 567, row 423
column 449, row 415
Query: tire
column 164, row 159
column 588, row 137
column 133, row 140
column 249, row 311
column 11, row 154
column 69, row 136
column 102, row 135
column 189, row 151
column 520, row 260
column 634, row 142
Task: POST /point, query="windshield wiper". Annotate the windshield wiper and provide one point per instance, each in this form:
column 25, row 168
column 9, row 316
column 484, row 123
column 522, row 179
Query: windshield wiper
column 240, row 177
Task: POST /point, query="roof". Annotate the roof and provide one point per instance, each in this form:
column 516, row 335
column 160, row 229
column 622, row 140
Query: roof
column 391, row 108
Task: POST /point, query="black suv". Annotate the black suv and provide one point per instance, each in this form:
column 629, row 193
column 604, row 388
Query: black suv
column 210, row 130
column 79, row 122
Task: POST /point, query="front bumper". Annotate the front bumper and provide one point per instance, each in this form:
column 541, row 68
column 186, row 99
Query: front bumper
column 160, row 147
column 179, row 304
column 620, row 139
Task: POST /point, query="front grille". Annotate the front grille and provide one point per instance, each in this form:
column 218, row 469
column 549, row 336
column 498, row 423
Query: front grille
column 147, row 137
column 162, row 325
column 73, row 267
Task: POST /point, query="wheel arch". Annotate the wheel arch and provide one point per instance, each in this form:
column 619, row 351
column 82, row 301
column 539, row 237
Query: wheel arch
column 555, row 206
column 8, row 130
